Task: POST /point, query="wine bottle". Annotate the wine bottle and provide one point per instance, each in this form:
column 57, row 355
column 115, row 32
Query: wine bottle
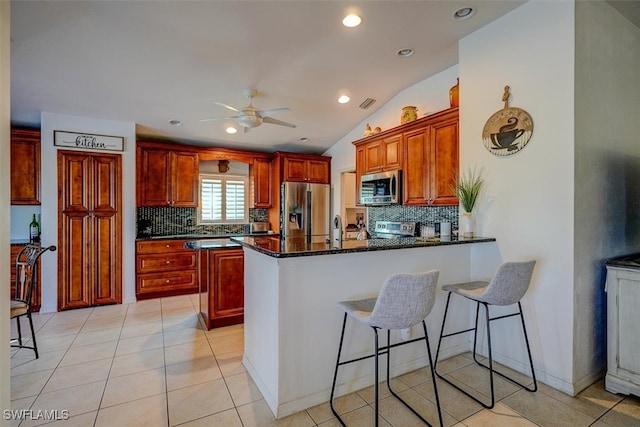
column 34, row 231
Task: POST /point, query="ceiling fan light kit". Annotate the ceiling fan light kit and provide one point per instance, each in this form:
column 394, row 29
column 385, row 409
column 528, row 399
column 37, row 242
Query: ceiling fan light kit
column 249, row 116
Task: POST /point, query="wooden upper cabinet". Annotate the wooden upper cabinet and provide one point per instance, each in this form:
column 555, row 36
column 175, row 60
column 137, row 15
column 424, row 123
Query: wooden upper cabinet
column 373, row 157
column 443, row 161
column 431, row 162
column 184, row 179
column 166, row 177
column 414, row 185
column 393, row 155
column 426, row 150
column 305, row 168
column 261, row 175
column 25, row 166
column 381, row 155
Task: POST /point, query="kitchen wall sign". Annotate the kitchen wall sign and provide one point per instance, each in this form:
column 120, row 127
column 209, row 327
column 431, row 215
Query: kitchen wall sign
column 86, row 141
column 508, row 130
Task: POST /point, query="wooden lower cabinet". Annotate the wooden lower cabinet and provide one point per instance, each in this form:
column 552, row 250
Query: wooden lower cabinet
column 36, row 298
column 165, row 268
column 222, row 287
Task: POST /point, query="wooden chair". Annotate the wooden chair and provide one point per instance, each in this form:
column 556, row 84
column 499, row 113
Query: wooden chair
column 26, row 277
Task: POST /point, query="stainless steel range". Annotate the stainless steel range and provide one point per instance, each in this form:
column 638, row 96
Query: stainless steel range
column 392, row 229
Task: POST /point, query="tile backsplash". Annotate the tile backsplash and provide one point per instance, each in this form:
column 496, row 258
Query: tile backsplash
column 167, row 221
column 420, row 214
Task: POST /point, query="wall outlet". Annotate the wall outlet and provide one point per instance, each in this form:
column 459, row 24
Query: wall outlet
column 405, row 334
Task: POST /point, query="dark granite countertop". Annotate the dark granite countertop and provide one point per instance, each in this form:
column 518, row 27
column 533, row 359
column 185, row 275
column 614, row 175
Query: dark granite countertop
column 211, row 244
column 19, row 242
column 626, row 261
column 285, row 248
column 199, row 236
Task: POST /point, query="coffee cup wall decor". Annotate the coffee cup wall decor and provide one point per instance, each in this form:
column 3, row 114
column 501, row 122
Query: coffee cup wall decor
column 508, row 130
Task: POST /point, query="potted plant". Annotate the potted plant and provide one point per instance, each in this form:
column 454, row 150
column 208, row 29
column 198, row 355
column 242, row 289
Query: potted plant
column 466, row 188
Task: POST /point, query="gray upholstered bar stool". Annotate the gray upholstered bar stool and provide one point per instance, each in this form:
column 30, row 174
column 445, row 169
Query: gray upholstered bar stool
column 507, row 287
column 405, row 300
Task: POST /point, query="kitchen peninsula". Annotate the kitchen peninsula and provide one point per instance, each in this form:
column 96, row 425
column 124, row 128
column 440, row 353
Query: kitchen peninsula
column 292, row 323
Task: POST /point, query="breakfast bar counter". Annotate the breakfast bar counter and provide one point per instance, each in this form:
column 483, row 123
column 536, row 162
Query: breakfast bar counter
column 277, row 247
column 292, row 323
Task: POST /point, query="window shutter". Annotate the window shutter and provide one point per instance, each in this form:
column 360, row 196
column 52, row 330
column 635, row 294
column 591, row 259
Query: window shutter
column 223, row 199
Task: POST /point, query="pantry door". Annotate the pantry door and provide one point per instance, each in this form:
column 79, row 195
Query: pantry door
column 89, row 229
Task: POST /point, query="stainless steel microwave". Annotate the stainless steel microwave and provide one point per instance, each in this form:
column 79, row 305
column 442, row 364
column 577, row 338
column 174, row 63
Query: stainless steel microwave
column 380, row 188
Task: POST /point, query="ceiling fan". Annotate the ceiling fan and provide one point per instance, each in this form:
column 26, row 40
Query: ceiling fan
column 249, row 116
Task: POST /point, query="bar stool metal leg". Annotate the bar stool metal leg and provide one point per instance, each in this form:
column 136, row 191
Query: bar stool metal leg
column 335, row 375
column 376, row 355
column 488, row 321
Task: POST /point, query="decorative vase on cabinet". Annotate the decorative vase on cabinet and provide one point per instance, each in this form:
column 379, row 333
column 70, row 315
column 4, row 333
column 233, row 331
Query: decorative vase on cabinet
column 409, row 114
column 454, row 94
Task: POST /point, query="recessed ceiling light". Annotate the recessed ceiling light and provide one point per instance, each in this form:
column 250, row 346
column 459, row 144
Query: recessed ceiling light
column 303, row 139
column 344, row 99
column 464, row 13
column 351, row 20
column 175, row 122
column 405, row 53
column 231, row 130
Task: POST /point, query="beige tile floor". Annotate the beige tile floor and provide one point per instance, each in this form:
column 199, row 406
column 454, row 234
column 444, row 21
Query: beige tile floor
column 150, row 363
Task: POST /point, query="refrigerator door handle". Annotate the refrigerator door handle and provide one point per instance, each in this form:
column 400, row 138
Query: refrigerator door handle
column 308, row 215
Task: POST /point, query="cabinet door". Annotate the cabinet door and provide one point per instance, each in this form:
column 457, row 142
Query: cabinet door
column 226, row 287
column 261, row 173
column 184, row 180
column 90, row 249
column 360, row 167
column 414, row 178
column 443, row 164
column 392, row 152
column 374, row 157
column 295, row 169
column 74, row 248
column 25, row 167
column 154, row 182
column 318, row 171
column 628, row 288
column 105, row 215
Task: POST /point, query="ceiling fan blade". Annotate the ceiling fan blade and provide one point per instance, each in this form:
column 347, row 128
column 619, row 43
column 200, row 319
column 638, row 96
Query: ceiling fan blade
column 218, row 118
column 272, row 112
column 229, row 107
column 277, row 122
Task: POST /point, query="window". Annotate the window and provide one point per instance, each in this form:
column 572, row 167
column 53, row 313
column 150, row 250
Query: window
column 223, row 199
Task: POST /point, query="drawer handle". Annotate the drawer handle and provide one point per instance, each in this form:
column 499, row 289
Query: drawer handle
column 166, row 246
column 168, row 281
column 168, row 262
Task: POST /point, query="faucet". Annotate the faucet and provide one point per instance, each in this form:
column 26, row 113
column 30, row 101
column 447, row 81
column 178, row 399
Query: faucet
column 337, row 223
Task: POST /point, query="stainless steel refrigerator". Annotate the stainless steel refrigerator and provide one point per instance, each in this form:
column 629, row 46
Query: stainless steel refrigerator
column 305, row 211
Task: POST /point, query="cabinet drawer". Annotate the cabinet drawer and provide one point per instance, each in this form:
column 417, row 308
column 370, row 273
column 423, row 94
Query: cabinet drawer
column 167, row 282
column 161, row 246
column 166, row 262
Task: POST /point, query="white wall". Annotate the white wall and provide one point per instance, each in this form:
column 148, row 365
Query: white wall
column 430, row 96
column 528, row 201
column 49, row 199
column 5, row 194
column 607, row 168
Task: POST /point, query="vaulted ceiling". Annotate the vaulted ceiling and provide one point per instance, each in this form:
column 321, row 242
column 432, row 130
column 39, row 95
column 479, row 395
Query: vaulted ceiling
column 151, row 62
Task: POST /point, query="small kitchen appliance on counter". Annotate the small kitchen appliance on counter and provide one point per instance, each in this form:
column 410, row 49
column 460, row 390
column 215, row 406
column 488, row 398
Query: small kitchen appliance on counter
column 259, row 227
column 392, row 229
